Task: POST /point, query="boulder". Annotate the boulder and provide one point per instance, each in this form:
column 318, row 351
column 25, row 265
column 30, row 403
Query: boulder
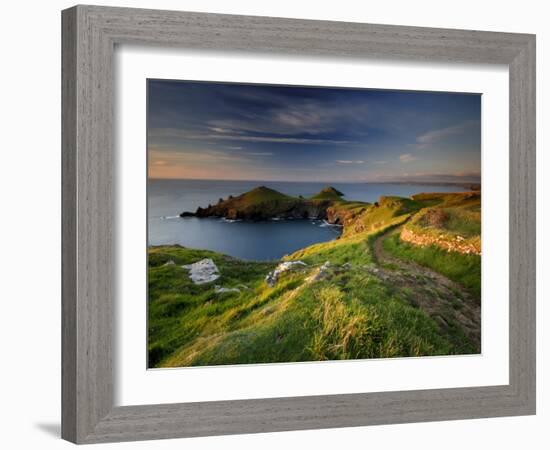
column 272, row 277
column 203, row 271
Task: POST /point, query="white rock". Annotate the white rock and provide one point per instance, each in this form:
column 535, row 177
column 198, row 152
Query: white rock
column 223, row 290
column 321, row 273
column 203, row 271
column 272, row 277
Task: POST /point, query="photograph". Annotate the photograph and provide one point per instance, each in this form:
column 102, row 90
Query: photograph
column 290, row 224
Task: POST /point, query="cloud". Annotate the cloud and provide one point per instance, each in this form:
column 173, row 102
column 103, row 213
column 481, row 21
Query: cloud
column 167, row 157
column 406, row 157
column 441, row 134
column 175, row 133
column 279, row 116
column 259, row 153
column 219, row 130
column 347, row 161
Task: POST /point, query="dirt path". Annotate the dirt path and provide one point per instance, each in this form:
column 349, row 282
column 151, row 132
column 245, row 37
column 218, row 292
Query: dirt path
column 447, row 302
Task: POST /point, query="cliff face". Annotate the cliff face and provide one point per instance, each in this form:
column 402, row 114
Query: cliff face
column 274, row 209
column 339, row 214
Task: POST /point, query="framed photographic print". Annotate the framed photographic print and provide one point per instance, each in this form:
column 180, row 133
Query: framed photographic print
column 267, row 222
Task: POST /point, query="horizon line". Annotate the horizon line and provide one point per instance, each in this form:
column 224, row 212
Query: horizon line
column 324, row 181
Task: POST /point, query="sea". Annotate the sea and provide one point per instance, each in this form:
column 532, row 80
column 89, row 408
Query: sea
column 255, row 241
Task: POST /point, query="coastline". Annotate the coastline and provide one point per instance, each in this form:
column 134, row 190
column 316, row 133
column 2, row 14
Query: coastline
column 269, row 311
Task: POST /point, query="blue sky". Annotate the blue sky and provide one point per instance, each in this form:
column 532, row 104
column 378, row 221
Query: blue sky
column 267, row 132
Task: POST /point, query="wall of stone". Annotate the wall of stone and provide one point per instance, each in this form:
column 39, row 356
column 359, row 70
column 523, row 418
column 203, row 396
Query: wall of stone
column 444, row 241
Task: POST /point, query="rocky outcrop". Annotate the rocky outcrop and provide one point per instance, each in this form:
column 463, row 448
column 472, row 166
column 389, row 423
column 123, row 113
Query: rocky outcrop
column 263, row 203
column 337, row 214
column 203, row 271
column 445, row 241
column 272, row 277
column 276, row 209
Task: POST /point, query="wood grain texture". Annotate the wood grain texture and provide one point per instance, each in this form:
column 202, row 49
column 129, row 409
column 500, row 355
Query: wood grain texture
column 68, row 225
column 89, row 37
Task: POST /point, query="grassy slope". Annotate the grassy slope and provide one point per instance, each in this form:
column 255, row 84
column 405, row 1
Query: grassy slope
column 328, row 193
column 260, row 195
column 464, row 219
column 464, row 269
column 351, row 314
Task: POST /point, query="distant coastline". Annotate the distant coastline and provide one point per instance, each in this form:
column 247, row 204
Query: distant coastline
column 326, row 182
column 168, row 198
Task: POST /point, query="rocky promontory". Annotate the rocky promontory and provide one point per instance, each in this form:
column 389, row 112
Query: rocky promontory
column 263, row 203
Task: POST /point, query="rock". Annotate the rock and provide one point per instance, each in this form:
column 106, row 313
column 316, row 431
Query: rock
column 187, row 214
column 224, row 290
column 322, row 273
column 203, row 271
column 169, row 263
column 346, row 266
column 272, row 277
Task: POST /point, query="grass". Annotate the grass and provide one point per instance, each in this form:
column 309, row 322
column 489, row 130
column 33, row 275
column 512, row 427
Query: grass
column 348, row 314
column 347, row 249
column 328, row 193
column 451, row 219
column 464, row 269
column 465, row 222
column 259, row 195
column 387, row 211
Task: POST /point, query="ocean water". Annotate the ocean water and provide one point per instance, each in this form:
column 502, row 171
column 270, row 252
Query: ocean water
column 259, row 241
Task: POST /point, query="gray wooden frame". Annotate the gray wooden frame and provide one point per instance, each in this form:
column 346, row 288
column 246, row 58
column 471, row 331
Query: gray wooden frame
column 89, row 37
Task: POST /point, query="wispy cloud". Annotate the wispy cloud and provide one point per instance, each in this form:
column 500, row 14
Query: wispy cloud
column 407, row 157
column 441, row 134
column 167, row 157
column 219, row 130
column 233, row 131
column 296, row 117
column 174, row 133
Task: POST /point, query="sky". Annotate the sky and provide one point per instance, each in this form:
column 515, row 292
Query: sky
column 230, row 131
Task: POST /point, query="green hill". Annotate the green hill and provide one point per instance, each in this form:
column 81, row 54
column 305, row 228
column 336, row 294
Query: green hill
column 368, row 294
column 328, row 193
column 259, row 195
column 263, row 203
